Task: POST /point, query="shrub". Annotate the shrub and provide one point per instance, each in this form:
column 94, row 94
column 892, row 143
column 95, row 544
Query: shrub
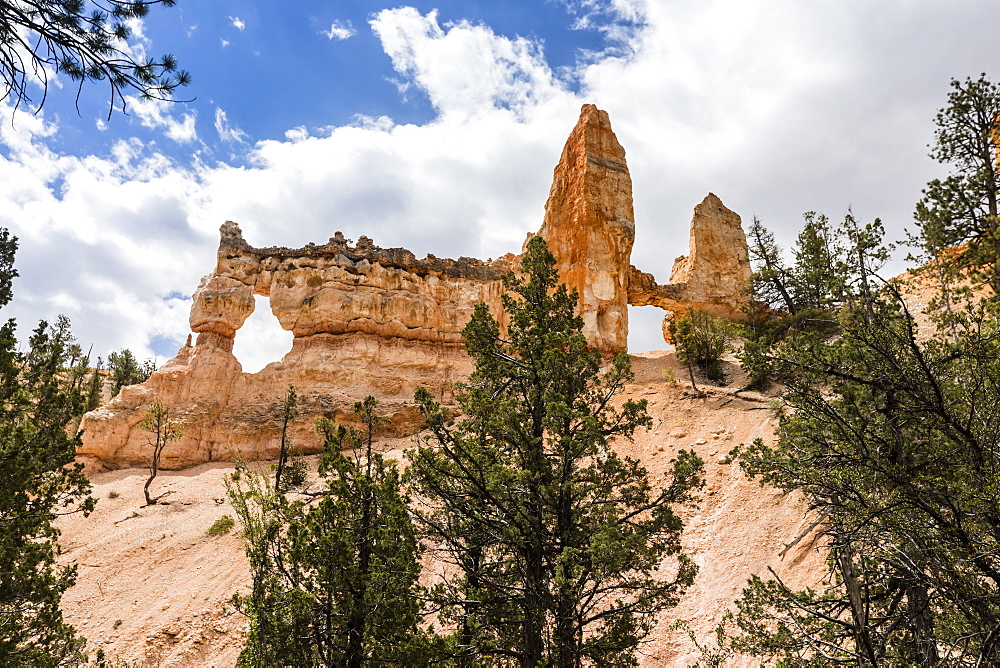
column 700, row 340
column 222, row 525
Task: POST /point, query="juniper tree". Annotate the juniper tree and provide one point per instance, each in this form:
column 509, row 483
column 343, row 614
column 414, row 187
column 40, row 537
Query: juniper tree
column 895, row 442
column 700, row 340
column 40, row 394
column 554, row 541
column 335, row 580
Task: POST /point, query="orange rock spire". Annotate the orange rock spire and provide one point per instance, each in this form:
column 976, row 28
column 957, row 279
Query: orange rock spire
column 590, row 226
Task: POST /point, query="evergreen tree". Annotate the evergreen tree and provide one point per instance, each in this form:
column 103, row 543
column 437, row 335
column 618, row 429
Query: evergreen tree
column 895, row 442
column 164, row 429
column 127, row 370
column 289, row 409
column 40, row 394
column 963, row 207
column 819, row 270
column 700, row 340
column 555, row 542
column 94, row 387
column 770, row 281
column 335, row 583
column 86, row 41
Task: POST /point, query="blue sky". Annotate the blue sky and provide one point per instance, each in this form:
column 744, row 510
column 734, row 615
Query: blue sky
column 436, row 126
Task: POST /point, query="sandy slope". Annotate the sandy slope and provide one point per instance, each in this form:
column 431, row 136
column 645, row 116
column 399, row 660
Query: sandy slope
column 154, row 588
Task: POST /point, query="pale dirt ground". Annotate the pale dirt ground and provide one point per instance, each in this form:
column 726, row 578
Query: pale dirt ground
column 154, row 589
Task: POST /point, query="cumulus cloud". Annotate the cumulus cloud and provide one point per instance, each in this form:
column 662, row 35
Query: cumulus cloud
column 465, row 68
column 339, row 31
column 775, row 106
column 237, row 23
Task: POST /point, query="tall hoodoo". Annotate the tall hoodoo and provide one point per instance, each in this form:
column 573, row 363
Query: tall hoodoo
column 590, row 226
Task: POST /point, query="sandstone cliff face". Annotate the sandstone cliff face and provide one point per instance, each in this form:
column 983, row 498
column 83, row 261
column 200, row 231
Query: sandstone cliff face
column 378, row 321
column 590, row 226
column 365, row 320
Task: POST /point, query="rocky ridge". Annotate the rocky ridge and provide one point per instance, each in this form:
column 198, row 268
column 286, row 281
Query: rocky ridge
column 378, row 321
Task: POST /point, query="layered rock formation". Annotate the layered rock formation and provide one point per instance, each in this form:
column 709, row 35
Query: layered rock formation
column 369, row 320
column 590, row 226
column 713, row 276
column 366, row 321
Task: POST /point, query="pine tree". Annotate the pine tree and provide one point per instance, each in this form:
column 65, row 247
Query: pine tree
column 335, row 583
column 771, row 280
column 86, row 41
column 819, row 270
column 555, row 540
column 127, row 370
column 895, row 442
column 963, row 207
column 40, row 394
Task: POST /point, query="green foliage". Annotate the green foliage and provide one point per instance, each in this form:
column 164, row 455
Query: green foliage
column 553, row 541
column 897, row 443
column 335, row 583
column 164, row 428
column 700, row 340
column 289, row 410
column 94, row 387
column 127, row 370
column 962, row 207
column 294, row 475
column 86, row 41
column 771, row 281
column 811, row 297
column 819, row 274
column 221, row 526
column 40, row 394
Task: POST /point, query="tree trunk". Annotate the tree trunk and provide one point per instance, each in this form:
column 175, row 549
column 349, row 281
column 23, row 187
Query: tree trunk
column 153, row 468
column 359, row 614
column 922, row 622
column 567, row 645
column 466, row 651
column 859, row 618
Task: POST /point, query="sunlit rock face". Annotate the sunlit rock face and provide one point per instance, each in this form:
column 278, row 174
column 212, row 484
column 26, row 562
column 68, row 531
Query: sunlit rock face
column 366, row 321
column 713, row 276
column 378, row 321
column 590, row 226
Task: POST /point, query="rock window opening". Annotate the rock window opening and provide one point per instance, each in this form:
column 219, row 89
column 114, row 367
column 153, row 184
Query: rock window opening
column 261, row 340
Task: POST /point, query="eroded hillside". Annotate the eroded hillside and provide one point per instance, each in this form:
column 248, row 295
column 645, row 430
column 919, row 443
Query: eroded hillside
column 154, row 588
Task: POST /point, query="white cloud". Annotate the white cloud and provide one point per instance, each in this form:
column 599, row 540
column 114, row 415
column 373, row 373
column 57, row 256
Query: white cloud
column 157, row 115
column 237, row 23
column 224, row 42
column 462, row 67
column 228, row 133
column 339, row 31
